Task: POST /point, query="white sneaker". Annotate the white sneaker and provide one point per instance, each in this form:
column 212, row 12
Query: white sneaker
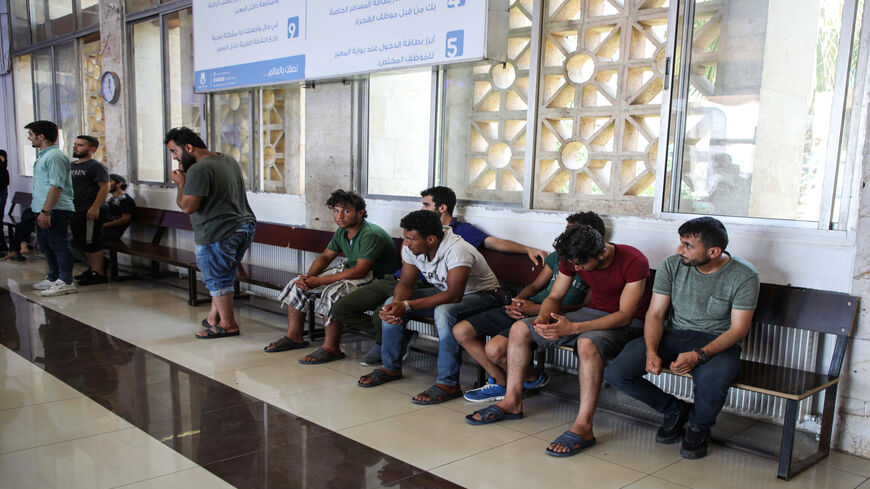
column 44, row 284
column 59, row 288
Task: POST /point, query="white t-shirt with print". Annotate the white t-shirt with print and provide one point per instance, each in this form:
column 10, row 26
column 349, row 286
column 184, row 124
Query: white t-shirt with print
column 453, row 252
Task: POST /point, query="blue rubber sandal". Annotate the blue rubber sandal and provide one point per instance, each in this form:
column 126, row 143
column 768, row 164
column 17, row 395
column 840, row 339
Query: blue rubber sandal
column 541, row 381
column 573, row 442
column 491, row 414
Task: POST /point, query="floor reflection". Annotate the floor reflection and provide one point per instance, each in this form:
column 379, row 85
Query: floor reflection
column 245, row 441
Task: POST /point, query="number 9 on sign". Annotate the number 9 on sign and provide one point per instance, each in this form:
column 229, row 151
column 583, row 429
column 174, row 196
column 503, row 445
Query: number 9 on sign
column 453, row 45
column 292, row 27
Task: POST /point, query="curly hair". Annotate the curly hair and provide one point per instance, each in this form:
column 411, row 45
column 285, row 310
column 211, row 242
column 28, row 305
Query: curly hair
column 349, row 199
column 424, row 222
column 579, row 244
column 588, row 218
column 441, row 195
column 183, row 135
column 709, row 230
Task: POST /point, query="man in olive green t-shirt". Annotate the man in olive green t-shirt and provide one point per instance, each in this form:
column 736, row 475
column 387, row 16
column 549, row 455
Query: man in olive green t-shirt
column 370, row 254
column 211, row 190
column 712, row 297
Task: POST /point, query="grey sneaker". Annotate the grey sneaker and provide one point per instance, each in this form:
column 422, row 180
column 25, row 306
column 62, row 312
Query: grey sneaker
column 44, row 284
column 59, row 288
column 373, row 357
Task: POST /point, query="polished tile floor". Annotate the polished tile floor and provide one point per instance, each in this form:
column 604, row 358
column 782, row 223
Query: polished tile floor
column 109, row 388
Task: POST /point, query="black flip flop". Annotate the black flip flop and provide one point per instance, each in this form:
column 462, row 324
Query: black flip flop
column 321, row 356
column 378, row 377
column 285, row 344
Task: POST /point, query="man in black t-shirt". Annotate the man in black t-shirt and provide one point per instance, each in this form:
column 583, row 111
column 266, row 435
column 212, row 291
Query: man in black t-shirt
column 117, row 213
column 90, row 189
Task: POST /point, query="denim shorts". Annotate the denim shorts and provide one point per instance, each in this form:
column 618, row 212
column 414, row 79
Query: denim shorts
column 218, row 261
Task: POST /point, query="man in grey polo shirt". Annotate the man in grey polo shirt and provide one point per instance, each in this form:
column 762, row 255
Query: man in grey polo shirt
column 212, row 190
column 706, row 297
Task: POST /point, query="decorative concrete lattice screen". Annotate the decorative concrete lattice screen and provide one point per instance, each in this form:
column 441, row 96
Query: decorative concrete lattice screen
column 233, row 121
column 92, row 61
column 281, row 136
column 273, row 140
column 600, row 103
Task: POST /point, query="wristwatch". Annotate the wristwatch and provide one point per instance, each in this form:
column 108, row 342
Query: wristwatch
column 407, row 306
column 43, row 211
column 703, row 357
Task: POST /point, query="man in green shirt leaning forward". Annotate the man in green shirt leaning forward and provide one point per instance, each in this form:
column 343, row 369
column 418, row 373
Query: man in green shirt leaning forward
column 702, row 304
column 371, row 254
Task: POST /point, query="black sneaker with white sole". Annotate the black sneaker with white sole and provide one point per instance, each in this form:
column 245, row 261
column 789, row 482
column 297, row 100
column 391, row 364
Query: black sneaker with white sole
column 373, row 357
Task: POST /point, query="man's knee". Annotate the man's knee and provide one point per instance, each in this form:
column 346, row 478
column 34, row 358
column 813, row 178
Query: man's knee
column 586, row 350
column 520, row 331
column 496, row 349
column 464, row 332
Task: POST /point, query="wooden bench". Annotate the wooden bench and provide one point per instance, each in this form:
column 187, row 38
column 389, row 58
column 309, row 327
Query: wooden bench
column 156, row 252
column 23, row 201
column 825, row 313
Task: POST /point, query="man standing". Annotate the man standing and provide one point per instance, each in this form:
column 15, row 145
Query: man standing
column 211, row 190
column 53, row 201
column 618, row 296
column 90, row 188
column 370, row 253
column 462, row 285
column 351, row 309
column 117, row 213
column 702, row 305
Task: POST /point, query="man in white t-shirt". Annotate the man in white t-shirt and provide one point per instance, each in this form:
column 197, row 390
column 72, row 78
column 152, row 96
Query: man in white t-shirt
column 462, row 285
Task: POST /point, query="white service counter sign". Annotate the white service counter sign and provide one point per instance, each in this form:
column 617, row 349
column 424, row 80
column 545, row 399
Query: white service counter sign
column 240, row 43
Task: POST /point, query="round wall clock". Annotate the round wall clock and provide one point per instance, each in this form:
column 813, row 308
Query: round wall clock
column 110, row 87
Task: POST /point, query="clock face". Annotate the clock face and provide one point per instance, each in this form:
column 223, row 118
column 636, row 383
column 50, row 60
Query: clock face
column 109, row 87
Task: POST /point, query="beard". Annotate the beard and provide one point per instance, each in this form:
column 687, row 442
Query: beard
column 695, row 263
column 80, row 155
column 187, row 160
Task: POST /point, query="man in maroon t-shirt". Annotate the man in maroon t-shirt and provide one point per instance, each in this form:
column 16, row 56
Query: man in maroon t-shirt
column 619, row 294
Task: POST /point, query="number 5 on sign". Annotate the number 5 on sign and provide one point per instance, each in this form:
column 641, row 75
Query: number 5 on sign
column 453, row 47
column 455, row 3
column 292, row 27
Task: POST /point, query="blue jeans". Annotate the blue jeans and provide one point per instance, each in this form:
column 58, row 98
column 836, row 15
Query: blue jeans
column 56, row 247
column 710, row 381
column 446, row 315
column 218, row 261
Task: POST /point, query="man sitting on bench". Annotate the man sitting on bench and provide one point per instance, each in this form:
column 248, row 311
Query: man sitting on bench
column 713, row 297
column 462, row 285
column 370, row 253
column 497, row 323
column 351, row 310
column 619, row 291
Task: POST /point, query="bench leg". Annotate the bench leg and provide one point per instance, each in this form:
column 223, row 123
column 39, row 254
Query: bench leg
column 113, row 265
column 787, row 446
column 191, row 287
column 311, row 319
column 789, row 468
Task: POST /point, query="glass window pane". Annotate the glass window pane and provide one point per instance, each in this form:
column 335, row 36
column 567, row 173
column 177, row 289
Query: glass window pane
column 42, row 79
column 148, row 104
column 759, row 107
column 184, row 105
column 68, row 95
column 485, row 113
column 93, row 100
column 20, row 24
column 137, row 5
column 60, row 14
column 40, row 29
column 22, row 79
column 89, row 13
column 399, row 131
column 282, row 135
column 233, row 129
